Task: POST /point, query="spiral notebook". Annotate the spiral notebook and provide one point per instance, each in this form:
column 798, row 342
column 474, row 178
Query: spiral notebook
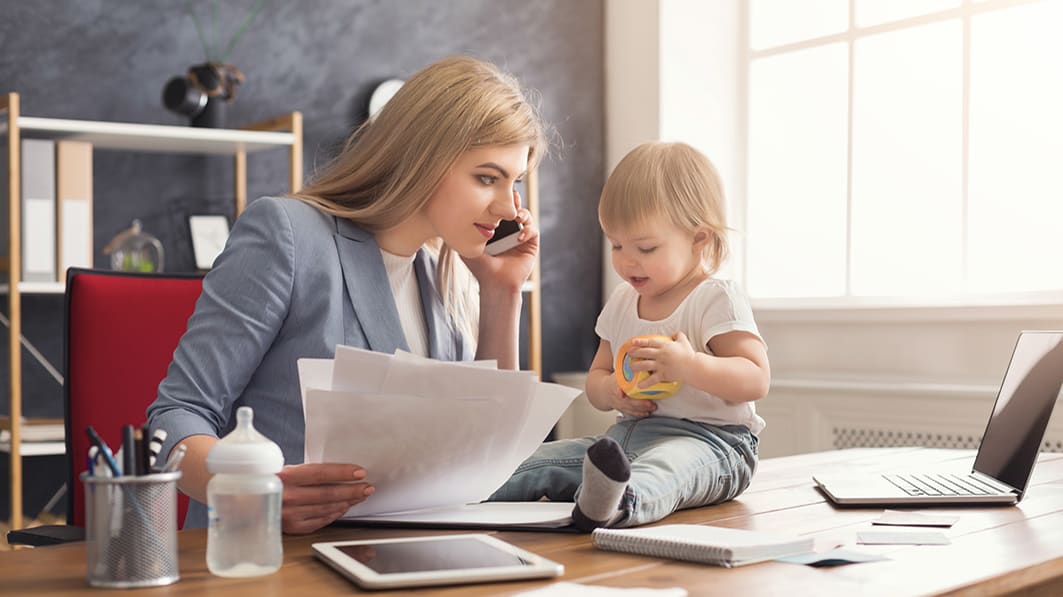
column 702, row 543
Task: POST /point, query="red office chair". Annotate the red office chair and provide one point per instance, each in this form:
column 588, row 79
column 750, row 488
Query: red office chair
column 121, row 333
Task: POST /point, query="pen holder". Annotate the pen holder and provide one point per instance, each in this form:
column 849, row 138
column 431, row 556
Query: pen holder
column 131, row 530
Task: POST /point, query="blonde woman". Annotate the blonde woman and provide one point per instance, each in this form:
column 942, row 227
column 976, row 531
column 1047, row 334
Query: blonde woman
column 363, row 256
column 662, row 210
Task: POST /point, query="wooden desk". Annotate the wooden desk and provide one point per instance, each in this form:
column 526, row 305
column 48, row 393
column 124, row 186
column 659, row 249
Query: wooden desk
column 994, row 551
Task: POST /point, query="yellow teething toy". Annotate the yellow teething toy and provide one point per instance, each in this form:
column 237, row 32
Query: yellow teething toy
column 629, row 380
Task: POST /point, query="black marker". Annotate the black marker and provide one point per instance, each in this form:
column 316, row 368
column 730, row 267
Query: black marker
column 129, row 451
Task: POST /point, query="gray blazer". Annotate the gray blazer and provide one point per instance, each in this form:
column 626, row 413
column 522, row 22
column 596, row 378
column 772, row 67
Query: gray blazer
column 292, row 282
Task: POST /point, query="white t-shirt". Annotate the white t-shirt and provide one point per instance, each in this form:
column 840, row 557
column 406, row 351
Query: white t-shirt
column 714, row 307
column 408, row 300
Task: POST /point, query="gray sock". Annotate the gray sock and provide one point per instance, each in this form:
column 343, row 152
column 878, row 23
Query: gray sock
column 606, row 471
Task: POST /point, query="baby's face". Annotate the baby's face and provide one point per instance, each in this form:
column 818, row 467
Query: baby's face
column 654, row 256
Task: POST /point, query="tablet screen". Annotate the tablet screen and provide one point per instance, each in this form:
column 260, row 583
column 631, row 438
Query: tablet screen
column 424, row 556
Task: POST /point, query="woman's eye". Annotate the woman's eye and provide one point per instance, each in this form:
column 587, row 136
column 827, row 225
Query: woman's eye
column 487, row 179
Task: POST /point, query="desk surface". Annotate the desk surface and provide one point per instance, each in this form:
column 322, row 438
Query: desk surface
column 993, row 551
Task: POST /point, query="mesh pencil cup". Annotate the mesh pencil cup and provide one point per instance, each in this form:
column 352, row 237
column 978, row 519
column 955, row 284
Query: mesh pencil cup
column 131, row 530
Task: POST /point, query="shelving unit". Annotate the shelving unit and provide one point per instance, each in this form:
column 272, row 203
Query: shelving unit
column 285, row 131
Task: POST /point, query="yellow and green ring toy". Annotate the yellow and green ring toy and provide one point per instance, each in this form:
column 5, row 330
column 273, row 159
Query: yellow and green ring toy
column 629, row 380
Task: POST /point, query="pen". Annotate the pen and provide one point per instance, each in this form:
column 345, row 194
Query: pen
column 175, row 459
column 144, row 450
column 91, row 460
column 141, row 451
column 129, row 451
column 155, row 446
column 105, row 451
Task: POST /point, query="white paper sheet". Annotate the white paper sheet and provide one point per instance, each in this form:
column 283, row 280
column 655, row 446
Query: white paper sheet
column 547, row 515
column 430, row 434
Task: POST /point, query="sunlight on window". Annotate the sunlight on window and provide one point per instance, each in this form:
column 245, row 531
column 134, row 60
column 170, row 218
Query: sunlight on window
column 1016, row 146
column 874, row 12
column 797, row 164
column 907, row 203
column 779, row 22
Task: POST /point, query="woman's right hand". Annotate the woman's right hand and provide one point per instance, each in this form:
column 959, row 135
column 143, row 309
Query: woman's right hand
column 317, row 494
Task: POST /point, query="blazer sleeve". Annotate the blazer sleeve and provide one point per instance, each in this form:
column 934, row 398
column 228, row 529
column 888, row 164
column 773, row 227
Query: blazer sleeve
column 245, row 300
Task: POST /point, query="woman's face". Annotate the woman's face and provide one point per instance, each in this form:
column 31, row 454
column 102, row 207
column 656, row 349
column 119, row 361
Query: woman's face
column 476, row 195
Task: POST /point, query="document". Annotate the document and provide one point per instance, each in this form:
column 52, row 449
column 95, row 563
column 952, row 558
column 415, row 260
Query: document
column 432, row 435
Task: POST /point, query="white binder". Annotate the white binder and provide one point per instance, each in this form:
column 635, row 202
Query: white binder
column 38, row 210
column 73, row 165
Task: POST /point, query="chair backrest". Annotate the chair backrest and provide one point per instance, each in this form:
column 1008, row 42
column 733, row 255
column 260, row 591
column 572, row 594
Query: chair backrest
column 121, row 333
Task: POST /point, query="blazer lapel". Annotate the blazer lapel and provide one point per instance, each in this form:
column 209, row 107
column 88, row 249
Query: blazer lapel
column 440, row 334
column 369, row 288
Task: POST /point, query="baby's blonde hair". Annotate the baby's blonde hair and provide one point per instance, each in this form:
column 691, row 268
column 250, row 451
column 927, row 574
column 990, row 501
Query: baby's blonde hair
column 673, row 181
column 392, row 165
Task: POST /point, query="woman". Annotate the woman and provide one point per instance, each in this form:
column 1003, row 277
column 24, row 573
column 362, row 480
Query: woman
column 363, row 256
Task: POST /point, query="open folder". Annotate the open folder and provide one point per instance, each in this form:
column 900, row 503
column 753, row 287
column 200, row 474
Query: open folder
column 435, row 437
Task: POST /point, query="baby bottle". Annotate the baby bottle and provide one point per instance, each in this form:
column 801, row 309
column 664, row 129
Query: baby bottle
column 244, row 502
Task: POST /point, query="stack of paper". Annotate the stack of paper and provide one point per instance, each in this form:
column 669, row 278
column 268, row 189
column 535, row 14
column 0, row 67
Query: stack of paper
column 432, row 435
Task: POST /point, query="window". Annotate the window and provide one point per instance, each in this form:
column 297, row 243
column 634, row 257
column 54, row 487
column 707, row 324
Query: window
column 904, row 149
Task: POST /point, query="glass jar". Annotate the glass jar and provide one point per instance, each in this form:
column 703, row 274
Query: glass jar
column 137, row 251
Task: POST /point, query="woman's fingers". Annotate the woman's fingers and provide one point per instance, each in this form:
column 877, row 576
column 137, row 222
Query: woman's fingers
column 300, row 495
column 317, row 494
column 321, row 473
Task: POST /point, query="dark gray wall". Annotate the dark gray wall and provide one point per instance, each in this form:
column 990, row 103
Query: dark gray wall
column 109, row 59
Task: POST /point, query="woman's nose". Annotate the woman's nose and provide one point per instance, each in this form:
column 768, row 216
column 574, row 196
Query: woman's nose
column 503, row 205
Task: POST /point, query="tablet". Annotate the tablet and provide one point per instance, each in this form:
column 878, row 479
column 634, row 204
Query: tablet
column 440, row 560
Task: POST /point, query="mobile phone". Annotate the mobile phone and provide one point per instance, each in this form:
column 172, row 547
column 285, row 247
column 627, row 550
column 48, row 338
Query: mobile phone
column 505, row 237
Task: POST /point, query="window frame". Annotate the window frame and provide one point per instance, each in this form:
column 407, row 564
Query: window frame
column 1002, row 306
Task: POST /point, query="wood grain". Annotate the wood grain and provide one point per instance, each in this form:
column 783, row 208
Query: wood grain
column 994, row 550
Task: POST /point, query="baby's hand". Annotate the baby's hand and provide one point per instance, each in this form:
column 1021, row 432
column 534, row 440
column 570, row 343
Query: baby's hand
column 634, row 407
column 665, row 360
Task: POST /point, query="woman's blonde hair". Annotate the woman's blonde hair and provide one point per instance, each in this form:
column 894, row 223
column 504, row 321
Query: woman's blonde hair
column 673, row 181
column 391, row 165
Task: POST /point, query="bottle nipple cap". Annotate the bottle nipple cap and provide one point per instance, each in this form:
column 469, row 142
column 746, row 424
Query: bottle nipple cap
column 244, row 450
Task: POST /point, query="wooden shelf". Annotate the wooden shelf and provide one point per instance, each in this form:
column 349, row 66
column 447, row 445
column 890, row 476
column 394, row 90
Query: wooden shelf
column 152, row 137
column 283, row 132
column 37, row 288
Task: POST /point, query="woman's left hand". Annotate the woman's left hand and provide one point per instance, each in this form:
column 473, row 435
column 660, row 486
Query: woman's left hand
column 509, row 270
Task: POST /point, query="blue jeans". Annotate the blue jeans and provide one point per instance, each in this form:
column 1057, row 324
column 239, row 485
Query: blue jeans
column 675, row 464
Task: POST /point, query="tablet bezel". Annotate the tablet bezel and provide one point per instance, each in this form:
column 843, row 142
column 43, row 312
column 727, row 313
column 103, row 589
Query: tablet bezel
column 366, row 577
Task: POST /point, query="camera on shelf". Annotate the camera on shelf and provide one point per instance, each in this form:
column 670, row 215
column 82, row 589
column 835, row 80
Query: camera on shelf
column 202, row 92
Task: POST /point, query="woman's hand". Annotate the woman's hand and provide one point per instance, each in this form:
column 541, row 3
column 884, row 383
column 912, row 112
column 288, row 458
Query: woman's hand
column 509, row 270
column 317, row 494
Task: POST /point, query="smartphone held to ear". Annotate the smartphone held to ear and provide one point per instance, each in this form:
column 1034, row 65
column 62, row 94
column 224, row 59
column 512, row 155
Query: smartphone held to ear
column 505, row 237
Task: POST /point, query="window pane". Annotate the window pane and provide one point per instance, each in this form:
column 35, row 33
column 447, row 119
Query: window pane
column 907, row 216
column 874, row 12
column 1016, row 145
column 797, row 165
column 778, row 22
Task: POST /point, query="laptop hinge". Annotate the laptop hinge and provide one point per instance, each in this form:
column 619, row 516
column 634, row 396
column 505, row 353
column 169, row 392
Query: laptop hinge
column 995, row 483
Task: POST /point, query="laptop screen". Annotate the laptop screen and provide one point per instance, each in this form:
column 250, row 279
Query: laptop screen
column 1030, row 388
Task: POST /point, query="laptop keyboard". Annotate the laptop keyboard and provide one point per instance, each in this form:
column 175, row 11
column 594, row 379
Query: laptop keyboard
column 941, row 484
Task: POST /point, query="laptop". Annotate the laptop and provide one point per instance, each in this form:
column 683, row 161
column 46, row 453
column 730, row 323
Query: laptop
column 1006, row 455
